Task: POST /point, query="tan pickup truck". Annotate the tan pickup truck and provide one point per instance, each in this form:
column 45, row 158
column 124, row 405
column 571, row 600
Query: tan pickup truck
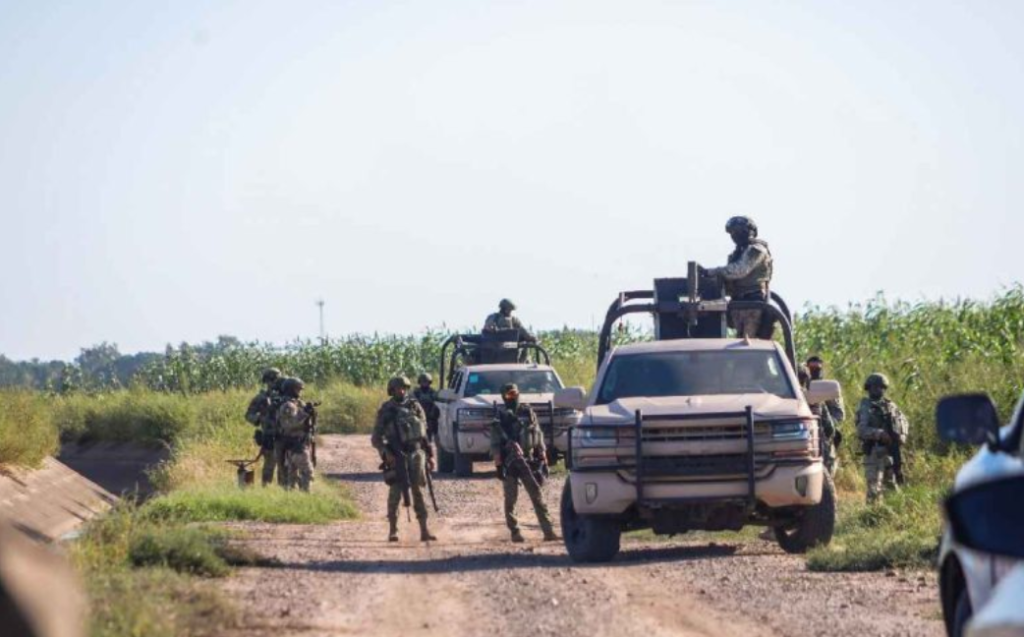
column 695, row 434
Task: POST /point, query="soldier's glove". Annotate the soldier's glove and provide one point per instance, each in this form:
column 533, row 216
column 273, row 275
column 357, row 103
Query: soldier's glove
column 500, row 471
column 430, row 465
column 389, row 458
column 885, row 438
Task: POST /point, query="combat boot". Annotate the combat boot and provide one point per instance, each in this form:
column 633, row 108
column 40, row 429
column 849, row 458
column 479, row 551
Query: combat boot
column 425, row 534
column 551, row 536
column 393, row 532
column 517, row 536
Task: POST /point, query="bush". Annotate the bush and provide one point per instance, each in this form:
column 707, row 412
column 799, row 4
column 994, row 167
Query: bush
column 28, row 433
column 185, row 550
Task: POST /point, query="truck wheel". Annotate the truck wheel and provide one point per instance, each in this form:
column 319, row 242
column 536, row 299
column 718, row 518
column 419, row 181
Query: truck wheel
column 463, row 465
column 445, row 460
column 587, row 539
column 815, row 525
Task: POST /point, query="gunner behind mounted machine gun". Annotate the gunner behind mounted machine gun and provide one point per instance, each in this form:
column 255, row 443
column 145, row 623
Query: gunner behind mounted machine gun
column 503, row 319
column 747, row 276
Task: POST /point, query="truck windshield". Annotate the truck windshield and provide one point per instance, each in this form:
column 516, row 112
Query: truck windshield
column 529, row 381
column 659, row 374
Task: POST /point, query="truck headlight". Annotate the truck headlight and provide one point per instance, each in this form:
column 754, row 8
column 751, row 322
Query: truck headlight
column 476, row 414
column 790, row 430
column 595, row 437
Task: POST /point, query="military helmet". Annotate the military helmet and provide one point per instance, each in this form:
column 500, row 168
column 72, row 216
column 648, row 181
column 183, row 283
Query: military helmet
column 506, row 305
column 876, row 380
column 292, row 386
column 425, row 378
column 270, row 375
column 741, row 223
column 815, row 360
column 396, row 382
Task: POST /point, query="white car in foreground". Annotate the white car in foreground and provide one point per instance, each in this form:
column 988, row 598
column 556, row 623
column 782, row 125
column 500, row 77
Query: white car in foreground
column 989, row 518
column 968, row 577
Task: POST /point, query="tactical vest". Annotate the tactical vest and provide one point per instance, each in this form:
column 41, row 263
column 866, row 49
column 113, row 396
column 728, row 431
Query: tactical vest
column 756, row 283
column 402, row 417
column 517, row 427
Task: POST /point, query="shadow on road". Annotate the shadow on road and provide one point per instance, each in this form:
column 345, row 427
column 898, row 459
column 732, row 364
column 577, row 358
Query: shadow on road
column 506, row 561
column 375, row 476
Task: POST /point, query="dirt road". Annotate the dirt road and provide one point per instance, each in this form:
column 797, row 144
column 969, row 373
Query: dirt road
column 346, row 579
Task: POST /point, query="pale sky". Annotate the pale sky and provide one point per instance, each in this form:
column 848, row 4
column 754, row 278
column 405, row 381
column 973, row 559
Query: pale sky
column 175, row 172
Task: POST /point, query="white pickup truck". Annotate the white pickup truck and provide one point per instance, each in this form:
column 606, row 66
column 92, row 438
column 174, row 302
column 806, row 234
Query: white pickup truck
column 467, row 408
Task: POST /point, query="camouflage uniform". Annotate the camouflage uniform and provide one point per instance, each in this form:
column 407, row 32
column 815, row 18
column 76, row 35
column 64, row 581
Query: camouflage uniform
column 292, row 420
column 262, row 413
column 404, row 423
column 519, row 424
column 747, row 277
column 427, row 398
column 872, row 418
column 499, row 321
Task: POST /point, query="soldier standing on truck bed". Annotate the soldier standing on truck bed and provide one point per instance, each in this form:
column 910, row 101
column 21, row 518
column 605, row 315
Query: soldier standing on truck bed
column 517, row 445
column 834, row 413
column 400, row 436
column 294, row 425
column 747, row 276
column 262, row 413
column 426, row 396
column 882, row 429
column 503, row 319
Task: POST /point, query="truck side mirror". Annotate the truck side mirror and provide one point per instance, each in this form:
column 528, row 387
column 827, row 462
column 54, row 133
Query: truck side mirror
column 571, row 398
column 822, row 391
column 446, row 395
column 968, row 419
column 988, row 517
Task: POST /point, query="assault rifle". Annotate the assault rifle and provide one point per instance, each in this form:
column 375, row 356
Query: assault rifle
column 311, row 428
column 398, row 473
column 512, row 457
column 895, row 447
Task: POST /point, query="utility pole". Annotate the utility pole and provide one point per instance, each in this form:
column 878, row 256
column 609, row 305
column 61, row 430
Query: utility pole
column 323, row 336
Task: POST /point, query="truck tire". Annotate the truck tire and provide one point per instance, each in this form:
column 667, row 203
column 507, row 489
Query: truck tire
column 445, row 460
column 962, row 613
column 587, row 539
column 815, row 525
column 463, row 465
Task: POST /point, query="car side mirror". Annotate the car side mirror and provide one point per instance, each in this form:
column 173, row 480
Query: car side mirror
column 446, row 395
column 571, row 398
column 822, row 391
column 968, row 419
column 988, row 517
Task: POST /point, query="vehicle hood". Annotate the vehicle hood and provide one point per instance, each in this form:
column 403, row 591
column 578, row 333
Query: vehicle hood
column 764, row 406
column 488, row 400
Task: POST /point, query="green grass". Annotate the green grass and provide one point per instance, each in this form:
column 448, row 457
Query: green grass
column 27, row 431
column 899, row 532
column 222, row 503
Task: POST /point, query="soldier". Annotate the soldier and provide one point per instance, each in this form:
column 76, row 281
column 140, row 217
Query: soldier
column 294, row 426
column 426, row 396
column 504, row 320
column 262, row 413
column 401, row 433
column 833, row 414
column 514, row 433
column 747, row 275
column 882, row 429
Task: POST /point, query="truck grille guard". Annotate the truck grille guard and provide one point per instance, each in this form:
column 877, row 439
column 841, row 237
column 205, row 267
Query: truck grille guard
column 649, row 466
